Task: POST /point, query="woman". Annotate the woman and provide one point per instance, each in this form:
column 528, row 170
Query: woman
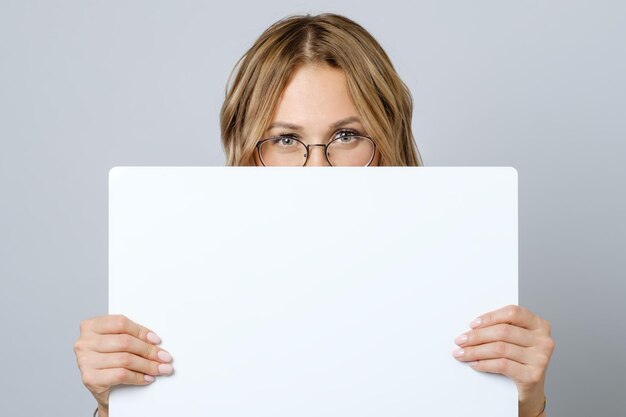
column 320, row 91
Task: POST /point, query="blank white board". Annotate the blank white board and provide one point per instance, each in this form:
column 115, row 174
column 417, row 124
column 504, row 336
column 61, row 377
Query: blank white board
column 325, row 291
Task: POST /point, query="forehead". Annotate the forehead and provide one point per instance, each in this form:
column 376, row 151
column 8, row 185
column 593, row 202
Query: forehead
column 315, row 93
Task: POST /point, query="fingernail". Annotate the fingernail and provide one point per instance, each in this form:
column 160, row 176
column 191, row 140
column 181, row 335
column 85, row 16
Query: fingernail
column 154, row 338
column 164, row 356
column 165, row 368
column 148, row 378
column 473, row 363
column 458, row 352
column 475, row 322
column 461, row 339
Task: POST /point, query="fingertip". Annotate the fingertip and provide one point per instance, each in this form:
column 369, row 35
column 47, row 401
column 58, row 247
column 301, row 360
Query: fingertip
column 476, row 322
column 165, row 369
column 148, row 378
column 152, row 337
column 164, row 356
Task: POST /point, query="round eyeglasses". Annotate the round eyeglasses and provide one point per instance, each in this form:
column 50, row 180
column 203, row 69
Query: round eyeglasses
column 351, row 150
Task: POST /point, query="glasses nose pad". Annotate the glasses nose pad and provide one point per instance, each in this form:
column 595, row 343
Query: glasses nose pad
column 323, row 150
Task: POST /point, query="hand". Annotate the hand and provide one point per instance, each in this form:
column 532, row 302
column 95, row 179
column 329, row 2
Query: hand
column 113, row 350
column 514, row 342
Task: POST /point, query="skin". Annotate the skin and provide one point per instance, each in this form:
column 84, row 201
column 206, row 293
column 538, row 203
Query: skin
column 315, row 98
column 512, row 341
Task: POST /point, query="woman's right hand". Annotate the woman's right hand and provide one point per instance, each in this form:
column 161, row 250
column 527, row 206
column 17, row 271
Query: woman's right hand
column 113, row 350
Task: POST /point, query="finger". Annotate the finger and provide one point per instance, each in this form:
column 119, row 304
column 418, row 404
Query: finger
column 493, row 350
column 118, row 324
column 511, row 314
column 116, row 376
column 498, row 332
column 129, row 361
column 109, row 343
column 514, row 370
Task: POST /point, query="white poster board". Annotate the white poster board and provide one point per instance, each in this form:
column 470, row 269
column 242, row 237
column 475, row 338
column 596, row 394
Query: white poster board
column 326, row 291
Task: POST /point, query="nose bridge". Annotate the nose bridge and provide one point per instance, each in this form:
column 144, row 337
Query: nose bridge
column 323, row 151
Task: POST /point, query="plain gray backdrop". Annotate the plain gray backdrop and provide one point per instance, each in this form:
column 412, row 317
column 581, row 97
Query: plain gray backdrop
column 84, row 86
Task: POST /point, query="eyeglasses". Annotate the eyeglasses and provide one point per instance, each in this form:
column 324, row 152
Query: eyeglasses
column 351, row 150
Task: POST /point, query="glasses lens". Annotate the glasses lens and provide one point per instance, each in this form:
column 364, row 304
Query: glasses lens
column 351, row 151
column 344, row 151
column 283, row 151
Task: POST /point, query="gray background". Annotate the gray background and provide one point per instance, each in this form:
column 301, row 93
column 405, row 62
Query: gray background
column 84, row 86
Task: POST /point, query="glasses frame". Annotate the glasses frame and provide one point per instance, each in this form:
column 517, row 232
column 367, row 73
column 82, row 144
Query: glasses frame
column 308, row 148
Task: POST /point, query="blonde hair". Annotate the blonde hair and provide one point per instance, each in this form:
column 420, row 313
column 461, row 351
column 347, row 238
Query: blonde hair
column 382, row 100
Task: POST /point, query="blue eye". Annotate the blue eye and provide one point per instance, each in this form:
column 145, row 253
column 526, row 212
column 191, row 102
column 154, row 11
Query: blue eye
column 349, row 135
column 283, row 140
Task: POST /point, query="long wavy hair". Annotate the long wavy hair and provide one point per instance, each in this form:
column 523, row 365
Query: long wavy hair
column 382, row 100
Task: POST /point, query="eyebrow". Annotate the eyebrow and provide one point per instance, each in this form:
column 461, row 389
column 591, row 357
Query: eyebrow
column 335, row 125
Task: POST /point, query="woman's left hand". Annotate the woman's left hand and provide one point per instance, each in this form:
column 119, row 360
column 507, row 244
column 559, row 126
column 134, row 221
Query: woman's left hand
column 514, row 342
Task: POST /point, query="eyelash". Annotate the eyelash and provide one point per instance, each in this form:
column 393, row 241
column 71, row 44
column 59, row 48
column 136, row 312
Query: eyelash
column 349, row 131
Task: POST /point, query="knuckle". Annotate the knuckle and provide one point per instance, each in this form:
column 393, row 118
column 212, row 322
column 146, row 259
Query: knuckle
column 548, row 326
column 501, row 365
column 122, row 342
column 535, row 376
column 120, row 322
column 84, row 325
column 545, row 360
column 487, row 319
column 500, row 349
column 503, row 332
column 154, row 368
column 142, row 332
column 549, row 344
column 88, row 378
column 80, row 358
column 125, row 359
column 119, row 375
column 511, row 311
column 150, row 351
column 78, row 345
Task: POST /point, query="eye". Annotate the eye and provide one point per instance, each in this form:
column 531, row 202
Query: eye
column 348, row 133
column 284, row 139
